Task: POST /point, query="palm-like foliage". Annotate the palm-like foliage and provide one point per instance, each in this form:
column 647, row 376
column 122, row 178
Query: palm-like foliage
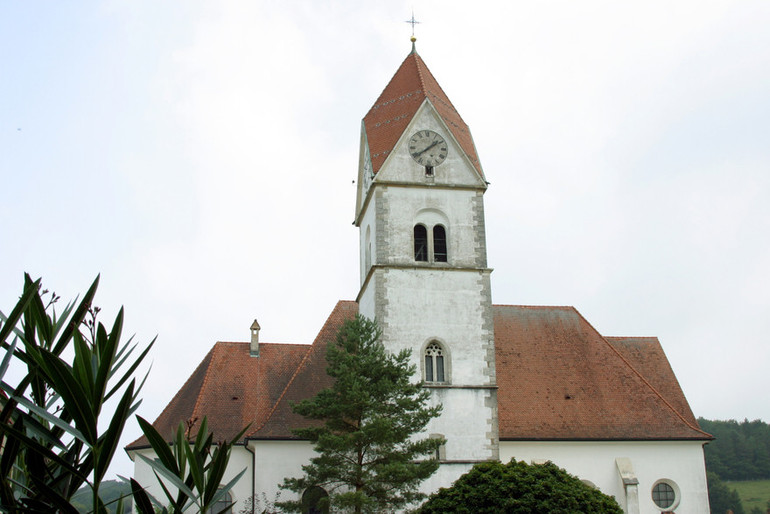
column 51, row 438
column 194, row 469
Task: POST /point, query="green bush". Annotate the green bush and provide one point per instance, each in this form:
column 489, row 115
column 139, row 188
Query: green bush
column 518, row 487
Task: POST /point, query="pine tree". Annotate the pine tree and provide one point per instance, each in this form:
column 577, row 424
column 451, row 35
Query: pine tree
column 368, row 459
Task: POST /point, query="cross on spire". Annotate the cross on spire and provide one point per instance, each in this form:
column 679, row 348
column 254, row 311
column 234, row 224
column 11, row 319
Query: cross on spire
column 412, row 22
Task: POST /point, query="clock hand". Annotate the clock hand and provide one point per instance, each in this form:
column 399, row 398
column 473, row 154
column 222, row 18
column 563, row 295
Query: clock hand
column 429, row 147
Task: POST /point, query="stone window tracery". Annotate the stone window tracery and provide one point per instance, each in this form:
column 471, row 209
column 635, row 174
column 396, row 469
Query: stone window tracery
column 434, row 363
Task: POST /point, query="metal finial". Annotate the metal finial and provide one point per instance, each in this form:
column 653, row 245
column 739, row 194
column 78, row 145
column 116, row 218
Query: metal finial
column 412, row 22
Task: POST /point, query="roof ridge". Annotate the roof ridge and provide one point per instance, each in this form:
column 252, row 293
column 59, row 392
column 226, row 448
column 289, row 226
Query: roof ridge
column 283, row 393
column 448, row 102
column 643, row 379
column 418, row 60
column 205, row 381
column 296, row 371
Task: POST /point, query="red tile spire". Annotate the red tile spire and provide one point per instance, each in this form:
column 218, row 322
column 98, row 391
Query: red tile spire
column 398, row 103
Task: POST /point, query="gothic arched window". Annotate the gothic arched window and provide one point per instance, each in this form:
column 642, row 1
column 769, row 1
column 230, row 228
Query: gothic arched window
column 434, row 363
column 420, row 243
column 439, row 244
column 315, row 501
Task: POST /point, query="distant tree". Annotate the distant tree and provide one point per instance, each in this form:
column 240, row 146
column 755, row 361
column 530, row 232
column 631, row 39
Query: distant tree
column 519, row 488
column 740, row 451
column 368, row 458
column 721, row 497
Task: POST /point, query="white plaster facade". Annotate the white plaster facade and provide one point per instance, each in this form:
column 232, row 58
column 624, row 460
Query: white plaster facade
column 680, row 462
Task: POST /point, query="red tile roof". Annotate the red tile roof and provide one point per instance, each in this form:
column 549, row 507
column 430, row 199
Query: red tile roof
column 231, row 389
column 558, row 379
column 646, row 355
column 397, row 104
column 309, row 378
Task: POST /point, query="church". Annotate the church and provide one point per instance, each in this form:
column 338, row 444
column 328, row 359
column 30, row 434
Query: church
column 534, row 383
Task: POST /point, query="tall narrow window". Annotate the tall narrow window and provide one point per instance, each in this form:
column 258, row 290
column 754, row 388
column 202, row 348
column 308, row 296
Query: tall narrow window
column 315, row 500
column 439, row 244
column 368, row 250
column 434, row 363
column 420, row 243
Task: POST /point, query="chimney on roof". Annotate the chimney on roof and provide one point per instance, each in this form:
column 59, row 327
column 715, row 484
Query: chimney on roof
column 254, row 346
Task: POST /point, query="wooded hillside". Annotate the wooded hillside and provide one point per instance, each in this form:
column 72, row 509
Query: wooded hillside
column 741, row 450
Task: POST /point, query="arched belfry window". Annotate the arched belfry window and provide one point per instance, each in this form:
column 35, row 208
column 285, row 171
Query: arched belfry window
column 430, row 245
column 420, row 243
column 434, row 363
column 439, row 244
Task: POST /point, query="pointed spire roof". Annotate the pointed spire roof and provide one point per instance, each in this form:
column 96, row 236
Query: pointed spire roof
column 397, row 105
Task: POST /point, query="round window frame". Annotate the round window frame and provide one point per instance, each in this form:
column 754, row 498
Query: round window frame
column 677, row 495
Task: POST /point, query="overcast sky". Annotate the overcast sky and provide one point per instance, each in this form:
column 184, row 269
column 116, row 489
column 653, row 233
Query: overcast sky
column 201, row 157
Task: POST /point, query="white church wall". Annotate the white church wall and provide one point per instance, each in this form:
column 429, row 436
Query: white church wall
column 367, row 225
column 274, row 461
column 435, row 304
column 680, row 462
column 464, row 423
column 240, row 459
column 408, row 206
column 144, row 475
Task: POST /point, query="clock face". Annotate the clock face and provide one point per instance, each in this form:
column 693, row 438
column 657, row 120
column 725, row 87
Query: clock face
column 427, row 148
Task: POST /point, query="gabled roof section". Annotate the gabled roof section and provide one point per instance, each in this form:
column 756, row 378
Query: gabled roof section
column 559, row 379
column 308, row 380
column 646, row 355
column 231, row 389
column 390, row 115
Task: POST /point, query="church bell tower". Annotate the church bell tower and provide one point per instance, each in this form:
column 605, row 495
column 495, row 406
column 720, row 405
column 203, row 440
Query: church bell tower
column 424, row 274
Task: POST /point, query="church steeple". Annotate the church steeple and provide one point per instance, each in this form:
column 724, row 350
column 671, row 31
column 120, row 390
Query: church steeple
column 391, row 114
column 424, row 274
